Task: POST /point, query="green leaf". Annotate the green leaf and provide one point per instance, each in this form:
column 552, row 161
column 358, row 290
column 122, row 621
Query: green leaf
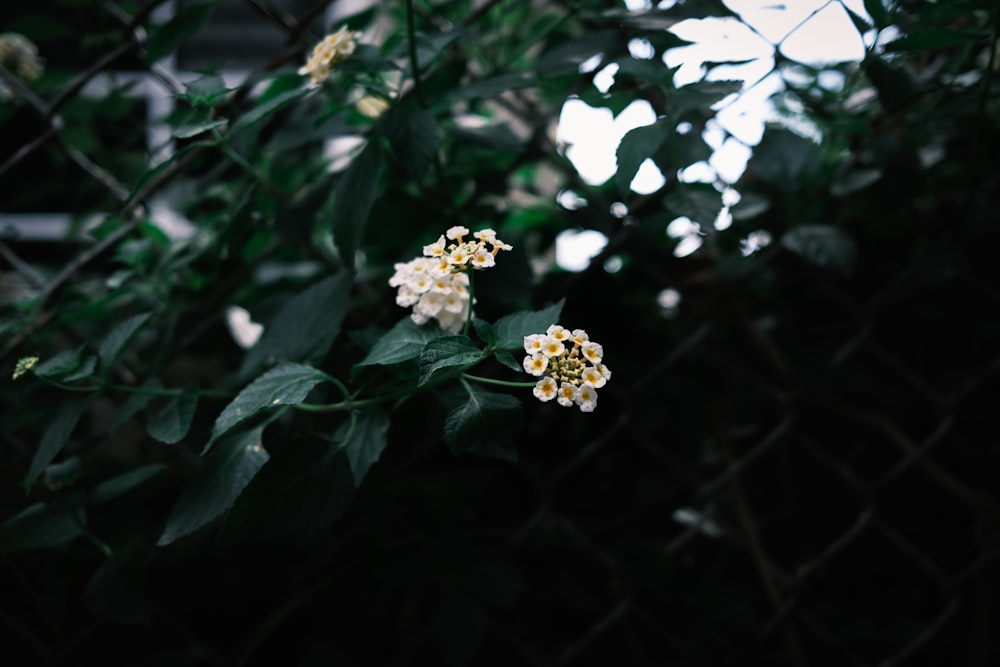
column 568, row 56
column 116, row 592
column 54, row 439
column 61, row 364
column 511, row 329
column 784, row 159
column 306, row 485
column 448, row 353
column 206, row 90
column 185, row 23
column 353, row 201
column 414, row 137
column 84, row 370
column 485, row 331
column 822, row 245
column 227, row 469
column 636, row 146
column 698, row 201
column 121, row 484
column 930, row 39
column 170, row 424
column 306, row 326
column 136, row 403
column 287, row 384
column 118, row 337
column 879, row 14
column 401, row 343
column 366, row 442
column 485, row 417
column 194, row 129
column 265, row 109
column 701, row 96
column 508, row 360
column 38, row 526
column 493, row 86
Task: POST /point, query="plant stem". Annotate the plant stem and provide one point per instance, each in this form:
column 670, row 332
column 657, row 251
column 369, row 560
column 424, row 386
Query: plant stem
column 502, row 383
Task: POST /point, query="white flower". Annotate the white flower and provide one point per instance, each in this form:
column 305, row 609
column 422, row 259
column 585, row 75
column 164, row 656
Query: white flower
column 435, row 249
column 486, row 235
column 483, row 259
column 533, row 343
column 593, row 377
column 567, row 394
column 457, row 232
column 558, row 333
column 328, row 53
column 586, row 398
column 580, row 336
column 430, row 304
column 545, row 390
column 592, row 352
column 552, row 347
column 536, row 364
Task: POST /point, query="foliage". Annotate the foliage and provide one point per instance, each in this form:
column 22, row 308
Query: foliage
column 353, row 458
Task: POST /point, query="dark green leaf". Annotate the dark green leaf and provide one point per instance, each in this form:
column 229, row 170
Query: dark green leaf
column 636, row 146
column 306, row 485
column 265, row 109
column 701, row 96
column 401, row 343
column 116, row 592
column 448, row 353
column 823, row 246
column 413, row 135
column 171, row 424
column 306, row 326
column 62, row 474
column 227, row 469
column 38, row 526
column 879, row 14
column 84, row 370
column 784, row 159
column 54, row 438
column 931, row 38
column 493, row 86
column 194, row 129
column 121, row 484
column 567, row 57
column 186, row 22
column 287, row 384
column 205, row 90
column 136, row 403
column 366, row 442
column 353, row 202
column 511, row 329
column 485, row 417
column 508, row 360
column 61, row 364
column 118, row 337
column 699, row 201
column 484, row 330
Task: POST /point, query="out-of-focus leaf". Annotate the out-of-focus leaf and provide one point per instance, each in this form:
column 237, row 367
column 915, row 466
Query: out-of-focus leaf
column 353, row 202
column 413, row 135
column 187, row 21
column 784, row 159
column 61, row 364
column 635, row 147
column 306, row 485
column 401, row 343
column 493, row 86
column 306, row 326
column 698, row 201
column 567, row 57
column 117, row 338
column 121, row 484
column 449, row 355
column 701, row 96
column 287, row 384
column 366, row 442
column 227, row 469
column 116, row 592
column 170, row 424
column 878, row 13
column 823, row 246
column 84, row 370
column 511, row 329
column 54, row 439
column 38, row 526
column 206, row 90
column 265, row 109
column 485, row 417
column 930, row 39
column 194, row 129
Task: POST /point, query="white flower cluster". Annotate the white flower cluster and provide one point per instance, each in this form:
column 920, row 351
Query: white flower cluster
column 570, row 365
column 328, row 53
column 19, row 56
column 436, row 284
column 442, row 297
column 461, row 254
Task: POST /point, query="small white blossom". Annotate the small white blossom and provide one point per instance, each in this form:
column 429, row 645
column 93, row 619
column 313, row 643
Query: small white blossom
column 457, row 232
column 545, row 390
column 592, row 352
column 552, row 347
column 586, row 398
column 536, row 364
column 328, row 53
column 567, row 394
column 593, row 377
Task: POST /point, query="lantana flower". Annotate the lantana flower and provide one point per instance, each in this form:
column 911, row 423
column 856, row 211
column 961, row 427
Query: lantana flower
column 329, row 53
column 444, row 298
column 19, row 56
column 571, row 367
column 478, row 250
